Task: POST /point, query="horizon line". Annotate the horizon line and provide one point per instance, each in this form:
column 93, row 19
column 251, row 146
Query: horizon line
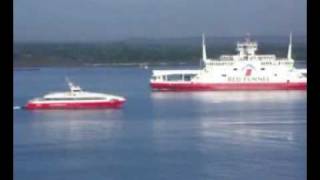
column 151, row 38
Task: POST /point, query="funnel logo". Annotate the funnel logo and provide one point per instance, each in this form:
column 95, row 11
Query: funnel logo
column 248, row 72
column 248, row 68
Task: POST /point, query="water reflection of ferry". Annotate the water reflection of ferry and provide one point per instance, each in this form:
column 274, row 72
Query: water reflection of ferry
column 243, row 71
column 232, row 96
column 75, row 99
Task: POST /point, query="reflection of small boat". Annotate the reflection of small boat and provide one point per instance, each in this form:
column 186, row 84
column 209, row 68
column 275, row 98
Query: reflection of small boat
column 75, row 99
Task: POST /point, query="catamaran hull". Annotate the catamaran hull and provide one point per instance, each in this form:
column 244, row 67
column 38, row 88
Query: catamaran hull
column 75, row 105
column 226, row 86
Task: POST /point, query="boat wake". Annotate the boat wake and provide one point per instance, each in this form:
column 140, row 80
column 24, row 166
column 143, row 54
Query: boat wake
column 255, row 123
column 263, row 123
column 17, row 107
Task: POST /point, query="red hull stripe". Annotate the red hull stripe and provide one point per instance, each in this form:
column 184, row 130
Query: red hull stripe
column 77, row 105
column 226, row 86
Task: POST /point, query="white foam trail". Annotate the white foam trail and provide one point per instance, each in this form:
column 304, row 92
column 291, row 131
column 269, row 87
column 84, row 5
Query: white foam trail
column 255, row 123
column 264, row 122
column 16, row 107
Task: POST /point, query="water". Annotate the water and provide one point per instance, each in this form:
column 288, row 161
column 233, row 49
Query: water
column 201, row 135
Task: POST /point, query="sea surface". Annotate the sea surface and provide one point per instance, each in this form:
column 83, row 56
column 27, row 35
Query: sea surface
column 156, row 136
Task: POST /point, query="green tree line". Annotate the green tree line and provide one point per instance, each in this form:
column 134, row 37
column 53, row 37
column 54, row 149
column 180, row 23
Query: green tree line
column 78, row 54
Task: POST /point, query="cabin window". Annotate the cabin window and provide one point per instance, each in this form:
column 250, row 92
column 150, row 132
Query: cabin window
column 154, row 78
column 188, row 77
column 223, row 75
column 83, row 98
column 262, row 69
column 275, row 74
column 235, row 69
column 174, row 77
column 164, row 77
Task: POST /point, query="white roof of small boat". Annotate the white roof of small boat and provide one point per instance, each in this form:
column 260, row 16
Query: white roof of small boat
column 82, row 94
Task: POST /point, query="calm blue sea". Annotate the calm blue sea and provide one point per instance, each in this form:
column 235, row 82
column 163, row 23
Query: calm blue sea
column 157, row 136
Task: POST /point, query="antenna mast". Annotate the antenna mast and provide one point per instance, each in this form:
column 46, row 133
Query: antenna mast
column 69, row 82
column 289, row 56
column 204, row 53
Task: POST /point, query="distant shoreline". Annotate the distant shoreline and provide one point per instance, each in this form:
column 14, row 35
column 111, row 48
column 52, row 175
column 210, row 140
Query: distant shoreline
column 142, row 65
column 141, row 53
column 95, row 65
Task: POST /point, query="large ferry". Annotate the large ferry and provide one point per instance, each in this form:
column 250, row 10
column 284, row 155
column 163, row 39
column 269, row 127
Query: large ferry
column 243, row 71
column 76, row 98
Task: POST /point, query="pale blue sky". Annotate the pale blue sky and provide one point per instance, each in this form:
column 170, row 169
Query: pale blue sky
column 99, row 20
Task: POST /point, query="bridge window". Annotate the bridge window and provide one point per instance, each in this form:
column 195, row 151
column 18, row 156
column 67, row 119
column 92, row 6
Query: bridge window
column 174, row 77
column 188, row 77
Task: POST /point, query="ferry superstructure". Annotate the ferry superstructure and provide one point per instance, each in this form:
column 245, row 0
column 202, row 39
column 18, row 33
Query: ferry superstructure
column 243, row 71
column 76, row 98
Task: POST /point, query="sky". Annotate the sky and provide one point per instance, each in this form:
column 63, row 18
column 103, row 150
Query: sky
column 105, row 20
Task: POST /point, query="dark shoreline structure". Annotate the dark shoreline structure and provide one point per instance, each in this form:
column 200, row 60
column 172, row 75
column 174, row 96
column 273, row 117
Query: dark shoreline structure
column 140, row 52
